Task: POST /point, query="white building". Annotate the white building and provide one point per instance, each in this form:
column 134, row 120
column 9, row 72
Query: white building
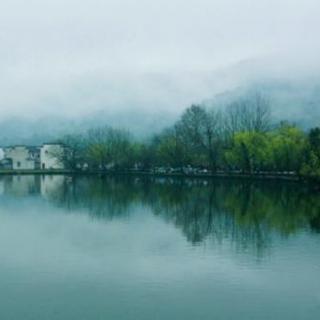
column 23, row 157
column 48, row 156
column 51, row 156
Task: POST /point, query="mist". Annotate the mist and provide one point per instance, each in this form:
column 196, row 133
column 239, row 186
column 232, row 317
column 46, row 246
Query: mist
column 68, row 65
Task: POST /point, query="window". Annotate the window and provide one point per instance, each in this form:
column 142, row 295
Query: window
column 18, row 164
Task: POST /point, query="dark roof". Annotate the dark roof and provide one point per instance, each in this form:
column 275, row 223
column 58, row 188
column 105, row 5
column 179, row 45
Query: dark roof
column 52, row 144
column 22, row 146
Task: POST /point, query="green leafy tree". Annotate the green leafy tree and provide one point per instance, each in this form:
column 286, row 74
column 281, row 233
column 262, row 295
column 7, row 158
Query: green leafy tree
column 288, row 148
column 314, row 141
column 171, row 150
column 250, row 152
column 311, row 165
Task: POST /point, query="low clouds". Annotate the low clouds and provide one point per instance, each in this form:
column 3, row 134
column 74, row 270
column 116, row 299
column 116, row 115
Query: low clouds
column 86, row 55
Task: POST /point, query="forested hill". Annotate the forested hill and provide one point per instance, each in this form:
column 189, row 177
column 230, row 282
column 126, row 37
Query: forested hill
column 295, row 100
column 19, row 130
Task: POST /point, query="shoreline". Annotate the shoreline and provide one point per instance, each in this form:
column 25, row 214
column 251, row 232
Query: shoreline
column 282, row 177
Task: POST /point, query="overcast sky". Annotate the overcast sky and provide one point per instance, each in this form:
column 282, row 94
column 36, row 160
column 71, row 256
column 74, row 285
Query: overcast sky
column 86, row 55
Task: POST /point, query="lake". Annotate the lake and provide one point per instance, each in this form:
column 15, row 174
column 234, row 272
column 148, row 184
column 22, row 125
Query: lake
column 157, row 248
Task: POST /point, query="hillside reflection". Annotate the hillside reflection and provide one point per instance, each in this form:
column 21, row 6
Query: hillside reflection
column 250, row 214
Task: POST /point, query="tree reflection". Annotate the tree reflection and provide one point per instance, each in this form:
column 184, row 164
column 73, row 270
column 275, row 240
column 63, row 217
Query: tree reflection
column 246, row 213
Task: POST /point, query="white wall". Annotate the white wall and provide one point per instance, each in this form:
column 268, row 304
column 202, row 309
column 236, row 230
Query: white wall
column 48, row 156
column 20, row 158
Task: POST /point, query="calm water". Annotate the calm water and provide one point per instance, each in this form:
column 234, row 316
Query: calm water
column 107, row 248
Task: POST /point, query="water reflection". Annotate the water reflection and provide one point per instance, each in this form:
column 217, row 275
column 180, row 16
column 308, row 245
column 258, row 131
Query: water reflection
column 249, row 214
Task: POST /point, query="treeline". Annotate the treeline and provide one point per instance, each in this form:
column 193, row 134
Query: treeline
column 241, row 137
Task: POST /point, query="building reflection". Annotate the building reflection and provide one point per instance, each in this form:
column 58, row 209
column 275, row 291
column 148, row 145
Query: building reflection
column 26, row 185
column 51, row 185
column 18, row 185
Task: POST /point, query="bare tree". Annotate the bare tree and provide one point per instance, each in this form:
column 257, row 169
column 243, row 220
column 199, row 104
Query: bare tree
column 73, row 152
column 252, row 113
column 260, row 112
column 201, row 132
column 108, row 147
column 213, row 138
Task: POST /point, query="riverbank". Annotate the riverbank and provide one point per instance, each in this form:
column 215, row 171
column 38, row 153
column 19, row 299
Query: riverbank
column 264, row 176
column 35, row 171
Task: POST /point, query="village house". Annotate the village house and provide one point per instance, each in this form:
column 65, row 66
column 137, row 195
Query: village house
column 48, row 156
column 51, row 156
column 22, row 157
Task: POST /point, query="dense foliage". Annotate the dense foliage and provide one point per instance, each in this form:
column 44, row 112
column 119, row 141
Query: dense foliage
column 241, row 137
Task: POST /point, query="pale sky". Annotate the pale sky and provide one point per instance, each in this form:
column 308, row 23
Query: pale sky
column 86, row 55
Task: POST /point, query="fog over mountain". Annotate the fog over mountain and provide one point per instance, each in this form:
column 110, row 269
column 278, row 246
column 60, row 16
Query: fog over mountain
column 296, row 100
column 69, row 65
column 294, row 97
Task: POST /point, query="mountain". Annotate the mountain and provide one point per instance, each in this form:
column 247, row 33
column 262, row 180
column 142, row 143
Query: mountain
column 296, row 100
column 19, row 130
column 161, row 98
